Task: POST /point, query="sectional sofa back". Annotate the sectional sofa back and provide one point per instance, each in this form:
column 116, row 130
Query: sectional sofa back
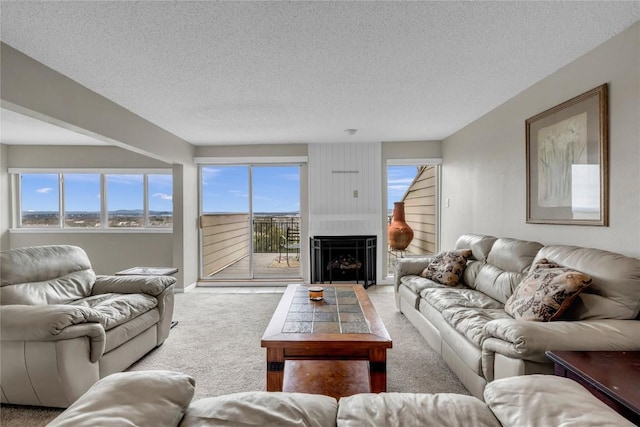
column 40, row 275
column 615, row 288
column 498, row 264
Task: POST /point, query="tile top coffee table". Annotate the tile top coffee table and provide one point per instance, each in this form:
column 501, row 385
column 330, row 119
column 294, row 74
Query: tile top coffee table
column 612, row 376
column 342, row 327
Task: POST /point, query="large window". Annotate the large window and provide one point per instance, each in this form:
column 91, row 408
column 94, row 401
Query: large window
column 40, row 200
column 92, row 200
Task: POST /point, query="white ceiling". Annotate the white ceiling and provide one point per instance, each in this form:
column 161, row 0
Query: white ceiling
column 298, row 72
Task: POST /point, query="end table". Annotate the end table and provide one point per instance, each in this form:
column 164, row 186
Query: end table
column 611, row 376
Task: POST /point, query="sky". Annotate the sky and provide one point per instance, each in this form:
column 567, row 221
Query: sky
column 398, row 180
column 275, row 189
column 82, row 192
column 224, row 189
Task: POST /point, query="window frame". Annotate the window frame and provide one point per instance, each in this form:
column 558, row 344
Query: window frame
column 16, row 175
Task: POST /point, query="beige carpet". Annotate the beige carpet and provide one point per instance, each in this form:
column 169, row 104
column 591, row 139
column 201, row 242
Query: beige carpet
column 217, row 341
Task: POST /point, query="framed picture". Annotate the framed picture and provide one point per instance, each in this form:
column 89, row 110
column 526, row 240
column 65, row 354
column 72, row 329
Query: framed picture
column 567, row 162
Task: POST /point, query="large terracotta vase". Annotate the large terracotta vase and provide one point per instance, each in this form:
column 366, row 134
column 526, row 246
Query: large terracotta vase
column 399, row 233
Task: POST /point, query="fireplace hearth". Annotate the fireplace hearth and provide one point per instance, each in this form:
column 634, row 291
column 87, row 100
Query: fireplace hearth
column 343, row 259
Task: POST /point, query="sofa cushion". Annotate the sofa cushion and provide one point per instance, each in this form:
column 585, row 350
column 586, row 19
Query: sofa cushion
column 60, row 290
column 444, row 298
column 506, row 264
column 447, row 267
column 615, row 290
column 513, row 254
column 546, row 292
column 480, row 245
column 470, row 321
column 41, row 275
column 259, row 408
column 414, row 409
column 116, row 309
column 417, row 284
column 41, row 263
column 123, row 333
column 142, row 398
column 526, row 400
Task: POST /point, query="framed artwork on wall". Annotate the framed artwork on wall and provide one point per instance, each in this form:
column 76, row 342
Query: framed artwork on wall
column 567, row 162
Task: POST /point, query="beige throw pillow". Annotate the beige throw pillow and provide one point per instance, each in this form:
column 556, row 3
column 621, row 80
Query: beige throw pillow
column 447, row 267
column 546, row 292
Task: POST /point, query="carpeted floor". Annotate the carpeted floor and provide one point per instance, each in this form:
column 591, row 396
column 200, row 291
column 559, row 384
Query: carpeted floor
column 217, row 341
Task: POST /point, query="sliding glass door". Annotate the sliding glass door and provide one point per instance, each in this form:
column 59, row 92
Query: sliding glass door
column 250, row 222
column 417, row 187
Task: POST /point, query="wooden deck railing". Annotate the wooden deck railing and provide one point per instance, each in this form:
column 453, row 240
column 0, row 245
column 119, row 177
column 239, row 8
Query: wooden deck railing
column 225, row 237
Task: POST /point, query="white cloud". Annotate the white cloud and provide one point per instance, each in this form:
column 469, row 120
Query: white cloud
column 44, row 190
column 209, row 173
column 239, row 193
column 163, row 196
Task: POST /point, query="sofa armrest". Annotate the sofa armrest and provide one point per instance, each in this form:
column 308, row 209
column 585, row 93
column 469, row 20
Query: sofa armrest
column 409, row 266
column 529, row 340
column 141, row 398
column 150, row 285
column 547, row 400
column 52, row 323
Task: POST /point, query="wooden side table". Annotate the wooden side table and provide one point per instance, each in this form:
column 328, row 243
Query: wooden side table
column 150, row 271
column 611, row 376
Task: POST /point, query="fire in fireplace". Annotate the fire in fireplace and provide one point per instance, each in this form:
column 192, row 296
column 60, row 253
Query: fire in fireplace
column 343, row 259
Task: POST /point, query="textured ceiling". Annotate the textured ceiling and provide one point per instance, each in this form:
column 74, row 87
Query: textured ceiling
column 297, row 72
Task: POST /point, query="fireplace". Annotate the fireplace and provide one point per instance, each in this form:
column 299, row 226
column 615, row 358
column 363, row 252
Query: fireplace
column 343, row 259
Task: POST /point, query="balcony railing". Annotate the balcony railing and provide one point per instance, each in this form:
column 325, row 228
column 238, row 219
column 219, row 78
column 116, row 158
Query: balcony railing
column 225, row 237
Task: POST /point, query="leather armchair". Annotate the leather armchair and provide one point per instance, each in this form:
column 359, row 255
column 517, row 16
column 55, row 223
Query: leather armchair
column 62, row 327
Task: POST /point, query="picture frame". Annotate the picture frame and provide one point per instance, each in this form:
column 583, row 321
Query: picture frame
column 567, row 162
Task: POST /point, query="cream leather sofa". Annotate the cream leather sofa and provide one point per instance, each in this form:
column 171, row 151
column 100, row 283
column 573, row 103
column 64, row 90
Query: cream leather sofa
column 480, row 342
column 163, row 398
column 63, row 328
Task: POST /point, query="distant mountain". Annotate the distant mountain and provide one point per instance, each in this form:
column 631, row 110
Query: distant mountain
column 120, row 212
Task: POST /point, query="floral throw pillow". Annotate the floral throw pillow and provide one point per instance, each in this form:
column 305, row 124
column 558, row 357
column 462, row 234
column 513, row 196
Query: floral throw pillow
column 447, row 267
column 546, row 292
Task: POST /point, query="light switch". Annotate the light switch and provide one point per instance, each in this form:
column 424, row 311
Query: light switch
column 448, row 202
column 355, row 194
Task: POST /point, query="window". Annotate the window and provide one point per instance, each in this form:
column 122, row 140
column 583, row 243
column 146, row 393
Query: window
column 81, row 200
column 91, row 200
column 125, row 200
column 40, row 200
column 160, row 200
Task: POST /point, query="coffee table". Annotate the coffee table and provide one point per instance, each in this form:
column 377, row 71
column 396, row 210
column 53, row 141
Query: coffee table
column 343, row 327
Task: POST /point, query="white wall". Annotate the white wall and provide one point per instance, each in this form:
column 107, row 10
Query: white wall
column 483, row 171
column 344, row 189
column 108, row 251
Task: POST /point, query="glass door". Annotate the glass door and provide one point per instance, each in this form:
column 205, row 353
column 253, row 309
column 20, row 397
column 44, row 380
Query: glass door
column 416, row 186
column 225, row 237
column 250, row 222
column 276, row 221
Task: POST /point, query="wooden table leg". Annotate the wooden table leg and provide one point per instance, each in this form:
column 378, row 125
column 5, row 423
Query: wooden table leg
column 378, row 370
column 275, row 369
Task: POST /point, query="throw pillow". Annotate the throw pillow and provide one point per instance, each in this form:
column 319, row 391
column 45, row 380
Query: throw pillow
column 546, row 292
column 447, row 267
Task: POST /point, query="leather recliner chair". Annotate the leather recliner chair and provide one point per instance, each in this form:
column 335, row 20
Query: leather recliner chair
column 63, row 327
